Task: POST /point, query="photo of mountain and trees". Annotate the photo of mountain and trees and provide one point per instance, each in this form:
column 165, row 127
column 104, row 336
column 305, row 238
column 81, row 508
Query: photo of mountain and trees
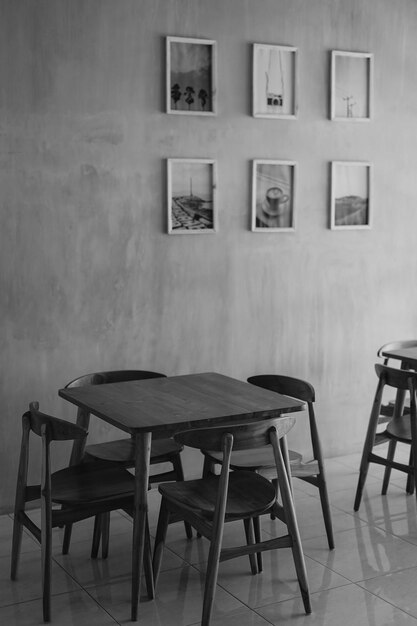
column 190, row 76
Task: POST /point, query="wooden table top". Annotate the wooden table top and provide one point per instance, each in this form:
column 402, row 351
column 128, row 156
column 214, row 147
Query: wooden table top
column 166, row 405
column 407, row 355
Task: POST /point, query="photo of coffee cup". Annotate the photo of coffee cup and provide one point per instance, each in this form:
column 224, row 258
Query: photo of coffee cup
column 274, row 201
column 273, row 195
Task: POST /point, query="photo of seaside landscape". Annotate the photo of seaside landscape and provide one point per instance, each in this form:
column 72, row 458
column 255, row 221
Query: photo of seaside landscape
column 191, row 195
column 350, row 191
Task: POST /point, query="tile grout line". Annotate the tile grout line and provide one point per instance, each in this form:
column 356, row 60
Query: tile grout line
column 85, row 590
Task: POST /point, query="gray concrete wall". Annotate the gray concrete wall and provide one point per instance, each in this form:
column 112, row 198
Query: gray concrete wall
column 89, row 278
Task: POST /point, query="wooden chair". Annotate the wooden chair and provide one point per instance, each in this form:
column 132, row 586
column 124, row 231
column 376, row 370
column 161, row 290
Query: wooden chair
column 262, row 460
column 401, row 428
column 387, row 410
column 208, row 503
column 121, row 451
column 387, row 413
column 83, row 491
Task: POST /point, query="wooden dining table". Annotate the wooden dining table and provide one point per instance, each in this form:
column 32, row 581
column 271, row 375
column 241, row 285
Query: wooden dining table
column 160, row 407
column 407, row 356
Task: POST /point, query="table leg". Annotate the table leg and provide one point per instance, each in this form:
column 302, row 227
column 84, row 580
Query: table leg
column 142, row 456
column 77, row 453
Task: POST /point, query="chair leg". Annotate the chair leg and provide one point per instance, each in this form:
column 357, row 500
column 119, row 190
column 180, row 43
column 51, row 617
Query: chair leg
column 387, row 473
column 208, row 467
column 46, row 553
column 250, row 539
column 16, row 546
column 299, row 563
column 410, row 479
column 188, row 530
column 161, row 533
column 291, row 521
column 211, row 573
column 147, row 558
column 208, row 470
column 363, row 470
column 286, row 458
column 413, row 453
column 359, row 489
column 96, row 536
column 105, row 534
column 67, row 539
column 275, row 483
column 20, row 499
column 325, row 507
column 177, row 465
column 258, row 539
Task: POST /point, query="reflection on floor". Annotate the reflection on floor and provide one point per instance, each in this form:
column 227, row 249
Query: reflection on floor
column 369, row 579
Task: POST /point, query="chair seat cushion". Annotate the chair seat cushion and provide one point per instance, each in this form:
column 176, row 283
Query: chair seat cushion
column 123, row 450
column 249, row 494
column 91, row 482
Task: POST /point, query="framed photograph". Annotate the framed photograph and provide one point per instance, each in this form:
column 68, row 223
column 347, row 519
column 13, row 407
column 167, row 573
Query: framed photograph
column 273, row 196
column 351, row 86
column 274, row 81
column 351, row 195
column 191, row 76
column 192, row 206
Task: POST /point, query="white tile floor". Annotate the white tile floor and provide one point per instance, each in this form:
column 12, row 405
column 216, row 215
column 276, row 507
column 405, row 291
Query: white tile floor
column 370, row 578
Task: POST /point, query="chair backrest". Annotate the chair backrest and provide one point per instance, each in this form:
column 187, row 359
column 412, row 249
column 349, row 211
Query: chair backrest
column 50, row 429
column 404, row 380
column 116, row 376
column 396, row 378
column 241, row 437
column 296, row 388
column 244, row 436
column 101, row 378
column 54, row 428
column 395, row 345
column 286, row 385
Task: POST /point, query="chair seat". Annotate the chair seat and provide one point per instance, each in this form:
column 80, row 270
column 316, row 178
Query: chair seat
column 249, row 494
column 123, row 450
column 255, row 459
column 400, row 428
column 90, row 482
